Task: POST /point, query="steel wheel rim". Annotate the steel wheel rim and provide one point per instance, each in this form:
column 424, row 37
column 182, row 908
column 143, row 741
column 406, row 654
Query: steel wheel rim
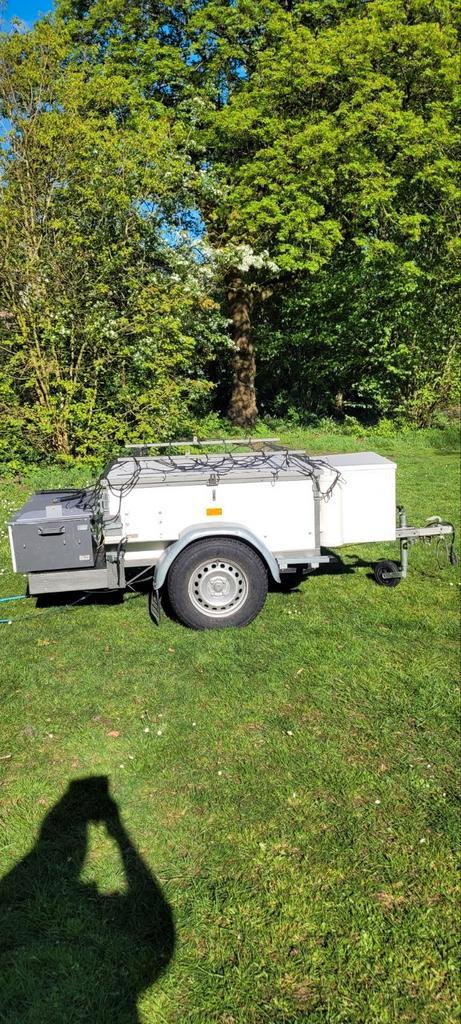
column 218, row 587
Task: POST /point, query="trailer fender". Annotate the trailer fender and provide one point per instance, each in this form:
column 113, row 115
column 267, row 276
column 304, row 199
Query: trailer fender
column 223, row 530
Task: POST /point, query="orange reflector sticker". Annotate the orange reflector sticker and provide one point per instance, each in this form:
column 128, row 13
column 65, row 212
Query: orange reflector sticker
column 214, row 511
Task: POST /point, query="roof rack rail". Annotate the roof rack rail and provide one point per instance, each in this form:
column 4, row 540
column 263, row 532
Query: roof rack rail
column 250, row 441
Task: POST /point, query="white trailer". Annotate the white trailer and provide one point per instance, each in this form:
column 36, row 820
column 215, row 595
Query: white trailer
column 211, row 528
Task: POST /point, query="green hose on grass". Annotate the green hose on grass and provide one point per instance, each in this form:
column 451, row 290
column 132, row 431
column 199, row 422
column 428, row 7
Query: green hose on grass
column 3, row 600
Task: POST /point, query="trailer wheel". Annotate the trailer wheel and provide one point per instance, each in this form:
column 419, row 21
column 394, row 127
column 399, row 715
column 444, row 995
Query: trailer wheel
column 214, row 583
column 384, row 567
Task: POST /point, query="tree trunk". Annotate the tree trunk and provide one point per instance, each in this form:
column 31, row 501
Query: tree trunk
column 242, row 407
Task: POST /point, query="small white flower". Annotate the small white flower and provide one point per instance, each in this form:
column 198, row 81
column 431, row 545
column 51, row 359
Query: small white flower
column 159, row 732
column 147, row 729
column 377, row 801
column 219, row 773
column 289, row 732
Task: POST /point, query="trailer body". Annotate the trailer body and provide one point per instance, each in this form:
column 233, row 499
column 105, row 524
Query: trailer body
column 276, row 502
column 155, row 513
column 284, row 512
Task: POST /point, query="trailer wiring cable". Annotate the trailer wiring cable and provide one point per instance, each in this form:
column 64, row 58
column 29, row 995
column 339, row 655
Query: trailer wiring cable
column 91, row 496
column 209, row 462
column 37, row 614
column 49, row 611
column 118, row 556
column 451, row 557
column 146, row 569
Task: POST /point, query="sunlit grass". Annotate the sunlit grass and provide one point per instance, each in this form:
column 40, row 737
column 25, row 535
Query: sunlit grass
column 291, row 786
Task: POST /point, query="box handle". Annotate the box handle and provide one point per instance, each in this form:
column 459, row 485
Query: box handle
column 54, row 531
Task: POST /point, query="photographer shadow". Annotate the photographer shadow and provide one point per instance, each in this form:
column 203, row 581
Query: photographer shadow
column 67, row 951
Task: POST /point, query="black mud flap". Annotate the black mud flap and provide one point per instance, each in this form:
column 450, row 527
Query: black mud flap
column 154, row 606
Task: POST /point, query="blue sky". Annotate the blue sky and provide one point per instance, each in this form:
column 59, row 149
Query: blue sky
column 27, row 10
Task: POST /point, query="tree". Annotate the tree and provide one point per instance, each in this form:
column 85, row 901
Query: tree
column 319, row 128
column 334, row 153
column 107, row 328
column 313, row 144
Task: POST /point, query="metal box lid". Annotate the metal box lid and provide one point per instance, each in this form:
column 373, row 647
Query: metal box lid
column 52, row 505
column 359, row 460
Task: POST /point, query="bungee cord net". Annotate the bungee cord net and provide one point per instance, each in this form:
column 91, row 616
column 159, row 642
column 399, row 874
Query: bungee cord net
column 274, row 462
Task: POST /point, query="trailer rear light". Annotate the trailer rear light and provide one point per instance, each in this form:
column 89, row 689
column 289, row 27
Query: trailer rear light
column 214, row 511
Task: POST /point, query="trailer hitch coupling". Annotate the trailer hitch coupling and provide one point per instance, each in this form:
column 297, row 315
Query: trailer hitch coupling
column 389, row 573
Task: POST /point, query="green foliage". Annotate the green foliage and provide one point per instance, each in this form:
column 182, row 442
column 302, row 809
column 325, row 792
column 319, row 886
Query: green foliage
column 336, row 155
column 373, row 337
column 106, row 328
column 317, row 141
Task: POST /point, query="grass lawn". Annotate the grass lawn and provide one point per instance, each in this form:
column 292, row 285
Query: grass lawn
column 284, row 845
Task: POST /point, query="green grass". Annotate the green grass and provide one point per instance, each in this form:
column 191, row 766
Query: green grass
column 291, row 788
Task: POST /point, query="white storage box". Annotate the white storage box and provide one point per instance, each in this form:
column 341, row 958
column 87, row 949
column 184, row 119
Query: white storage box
column 270, row 496
column 280, row 512
column 362, row 505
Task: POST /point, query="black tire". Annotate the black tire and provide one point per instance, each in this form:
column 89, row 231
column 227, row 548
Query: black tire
column 385, row 566
column 217, row 582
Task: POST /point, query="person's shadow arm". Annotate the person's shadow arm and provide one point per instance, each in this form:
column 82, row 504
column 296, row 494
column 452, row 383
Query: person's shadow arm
column 148, row 911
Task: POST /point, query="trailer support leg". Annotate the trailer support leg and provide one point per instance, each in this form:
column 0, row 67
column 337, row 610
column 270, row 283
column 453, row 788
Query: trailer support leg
column 404, row 545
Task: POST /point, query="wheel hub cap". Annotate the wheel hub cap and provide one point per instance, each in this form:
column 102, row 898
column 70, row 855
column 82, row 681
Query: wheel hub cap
column 218, row 588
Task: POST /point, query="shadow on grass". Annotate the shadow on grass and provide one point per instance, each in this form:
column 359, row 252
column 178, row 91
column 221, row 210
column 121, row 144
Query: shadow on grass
column 95, row 597
column 337, row 567
column 291, row 582
column 69, row 953
column 70, row 597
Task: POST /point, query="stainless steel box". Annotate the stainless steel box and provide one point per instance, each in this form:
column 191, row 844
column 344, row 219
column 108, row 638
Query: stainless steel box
column 53, row 530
